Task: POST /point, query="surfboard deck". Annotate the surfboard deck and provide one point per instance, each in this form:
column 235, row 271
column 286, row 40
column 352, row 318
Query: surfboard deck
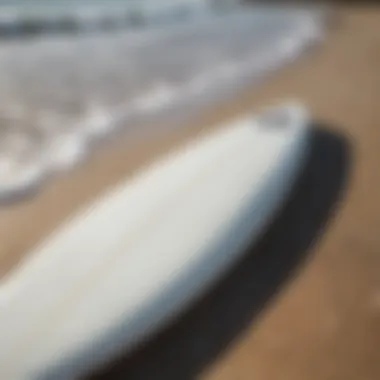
column 129, row 262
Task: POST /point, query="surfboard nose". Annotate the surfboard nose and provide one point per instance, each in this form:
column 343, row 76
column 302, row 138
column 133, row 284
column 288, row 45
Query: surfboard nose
column 289, row 115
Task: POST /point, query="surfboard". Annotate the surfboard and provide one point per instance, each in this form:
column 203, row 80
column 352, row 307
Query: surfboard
column 135, row 258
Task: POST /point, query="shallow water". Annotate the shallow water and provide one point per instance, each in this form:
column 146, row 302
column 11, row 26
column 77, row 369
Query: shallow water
column 71, row 91
column 30, row 17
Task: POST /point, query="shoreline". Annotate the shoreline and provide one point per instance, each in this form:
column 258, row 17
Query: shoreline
column 167, row 102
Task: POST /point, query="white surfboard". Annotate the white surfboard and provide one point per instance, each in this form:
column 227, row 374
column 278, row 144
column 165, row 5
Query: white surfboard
column 128, row 263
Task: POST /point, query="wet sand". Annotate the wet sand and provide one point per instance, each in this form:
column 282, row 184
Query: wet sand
column 305, row 302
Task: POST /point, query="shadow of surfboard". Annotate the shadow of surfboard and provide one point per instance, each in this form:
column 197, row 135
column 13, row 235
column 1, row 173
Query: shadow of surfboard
column 202, row 334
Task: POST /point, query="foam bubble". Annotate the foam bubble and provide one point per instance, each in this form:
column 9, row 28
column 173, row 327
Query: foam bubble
column 65, row 150
column 161, row 96
column 97, row 122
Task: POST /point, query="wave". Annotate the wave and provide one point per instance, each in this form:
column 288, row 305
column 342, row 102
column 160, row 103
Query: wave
column 26, row 19
column 64, row 96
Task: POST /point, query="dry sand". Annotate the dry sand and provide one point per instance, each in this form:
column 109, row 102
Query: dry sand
column 305, row 302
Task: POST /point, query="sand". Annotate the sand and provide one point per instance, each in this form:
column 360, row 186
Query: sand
column 305, row 302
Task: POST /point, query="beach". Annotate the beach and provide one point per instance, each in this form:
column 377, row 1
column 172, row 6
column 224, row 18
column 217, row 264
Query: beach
column 304, row 303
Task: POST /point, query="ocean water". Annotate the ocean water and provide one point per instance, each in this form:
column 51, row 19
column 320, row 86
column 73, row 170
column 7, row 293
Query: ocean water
column 36, row 17
column 62, row 94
